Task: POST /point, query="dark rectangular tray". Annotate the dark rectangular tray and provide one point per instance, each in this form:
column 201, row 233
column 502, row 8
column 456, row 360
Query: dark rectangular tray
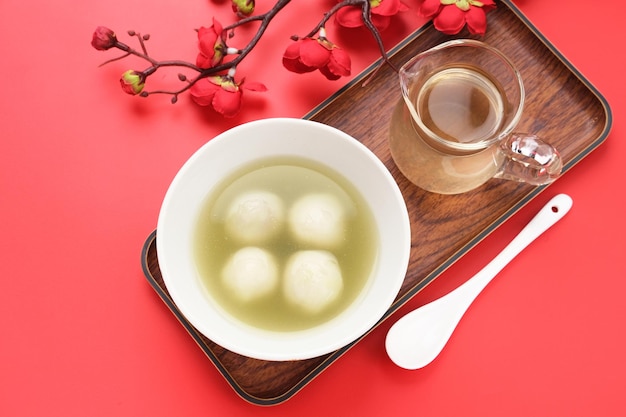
column 561, row 106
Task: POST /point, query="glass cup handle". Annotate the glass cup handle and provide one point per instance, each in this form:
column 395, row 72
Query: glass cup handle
column 529, row 159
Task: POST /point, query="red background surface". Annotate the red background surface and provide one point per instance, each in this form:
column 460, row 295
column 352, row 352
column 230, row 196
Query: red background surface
column 83, row 170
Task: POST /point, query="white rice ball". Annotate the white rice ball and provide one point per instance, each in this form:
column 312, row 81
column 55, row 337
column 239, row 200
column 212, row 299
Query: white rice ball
column 318, row 220
column 312, row 280
column 250, row 273
column 255, row 217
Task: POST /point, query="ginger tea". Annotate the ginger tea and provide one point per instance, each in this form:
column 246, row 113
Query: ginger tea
column 457, row 105
column 460, row 105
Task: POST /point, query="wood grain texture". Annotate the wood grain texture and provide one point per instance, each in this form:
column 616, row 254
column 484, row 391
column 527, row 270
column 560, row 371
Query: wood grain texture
column 560, row 106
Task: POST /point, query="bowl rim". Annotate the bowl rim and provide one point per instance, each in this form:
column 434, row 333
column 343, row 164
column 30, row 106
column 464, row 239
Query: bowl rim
column 274, row 345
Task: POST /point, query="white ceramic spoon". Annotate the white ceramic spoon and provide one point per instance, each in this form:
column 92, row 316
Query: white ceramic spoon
column 418, row 337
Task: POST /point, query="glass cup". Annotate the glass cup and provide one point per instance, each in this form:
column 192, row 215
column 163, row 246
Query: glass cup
column 462, row 101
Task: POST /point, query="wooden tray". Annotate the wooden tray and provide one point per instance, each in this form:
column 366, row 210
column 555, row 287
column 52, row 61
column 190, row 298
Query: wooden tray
column 561, row 106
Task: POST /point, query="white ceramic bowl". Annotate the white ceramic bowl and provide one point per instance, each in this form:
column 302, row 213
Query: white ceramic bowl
column 266, row 138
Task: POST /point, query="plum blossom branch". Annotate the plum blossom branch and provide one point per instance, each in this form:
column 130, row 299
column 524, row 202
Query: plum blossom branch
column 367, row 21
column 265, row 19
column 213, row 82
column 335, row 9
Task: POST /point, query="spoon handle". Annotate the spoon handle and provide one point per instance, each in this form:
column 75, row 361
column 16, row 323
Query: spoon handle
column 418, row 337
column 551, row 213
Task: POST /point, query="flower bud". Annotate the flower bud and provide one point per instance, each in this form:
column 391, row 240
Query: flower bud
column 132, row 82
column 243, row 7
column 103, row 38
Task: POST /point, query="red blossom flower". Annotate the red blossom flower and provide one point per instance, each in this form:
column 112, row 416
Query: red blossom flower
column 450, row 16
column 381, row 12
column 103, row 38
column 310, row 54
column 222, row 93
column 211, row 44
